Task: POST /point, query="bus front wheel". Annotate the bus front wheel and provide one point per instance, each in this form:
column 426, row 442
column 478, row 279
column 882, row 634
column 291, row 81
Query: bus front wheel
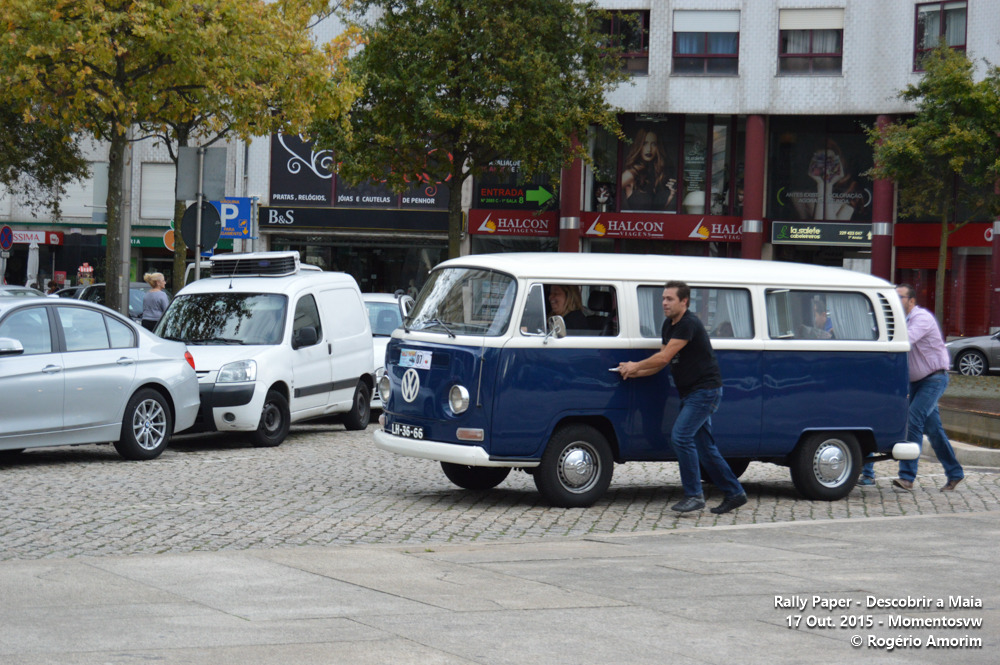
column 576, row 467
column 825, row 466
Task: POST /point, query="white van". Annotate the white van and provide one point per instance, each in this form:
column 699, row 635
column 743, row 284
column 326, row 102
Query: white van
column 484, row 379
column 274, row 342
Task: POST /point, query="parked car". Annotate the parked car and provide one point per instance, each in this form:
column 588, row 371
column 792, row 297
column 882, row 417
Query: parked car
column 975, row 356
column 69, row 292
column 11, row 291
column 386, row 312
column 136, row 291
column 72, row 372
column 275, row 342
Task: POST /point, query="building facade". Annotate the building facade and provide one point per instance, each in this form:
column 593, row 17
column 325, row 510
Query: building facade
column 744, row 124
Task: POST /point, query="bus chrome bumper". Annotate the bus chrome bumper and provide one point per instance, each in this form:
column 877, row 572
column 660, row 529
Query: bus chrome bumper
column 442, row 452
column 905, row 450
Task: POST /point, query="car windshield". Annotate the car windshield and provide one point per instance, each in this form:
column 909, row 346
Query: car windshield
column 225, row 318
column 464, row 301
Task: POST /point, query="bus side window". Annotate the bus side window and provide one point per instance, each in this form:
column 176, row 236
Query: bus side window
column 820, row 315
column 533, row 319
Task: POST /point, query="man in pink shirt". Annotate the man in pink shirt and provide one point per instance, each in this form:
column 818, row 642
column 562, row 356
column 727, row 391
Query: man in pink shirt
column 928, row 363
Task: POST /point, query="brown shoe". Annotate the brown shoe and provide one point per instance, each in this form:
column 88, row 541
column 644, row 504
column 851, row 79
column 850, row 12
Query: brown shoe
column 903, row 484
column 952, row 484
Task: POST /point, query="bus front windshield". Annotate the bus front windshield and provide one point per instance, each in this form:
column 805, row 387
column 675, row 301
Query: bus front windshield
column 464, row 301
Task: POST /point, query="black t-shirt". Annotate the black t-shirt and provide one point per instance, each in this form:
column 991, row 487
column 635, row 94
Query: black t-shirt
column 695, row 366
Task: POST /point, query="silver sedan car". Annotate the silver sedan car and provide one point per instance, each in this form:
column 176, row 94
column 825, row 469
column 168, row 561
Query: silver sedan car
column 975, row 356
column 73, row 372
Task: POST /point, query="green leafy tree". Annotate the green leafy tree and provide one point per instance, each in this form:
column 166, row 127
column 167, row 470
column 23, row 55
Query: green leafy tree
column 475, row 80
column 946, row 157
column 117, row 68
column 37, row 159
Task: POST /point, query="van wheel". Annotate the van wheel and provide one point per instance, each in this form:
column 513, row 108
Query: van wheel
column 475, row 477
column 146, row 426
column 576, row 467
column 274, row 421
column 361, row 409
column 826, row 466
column 737, row 466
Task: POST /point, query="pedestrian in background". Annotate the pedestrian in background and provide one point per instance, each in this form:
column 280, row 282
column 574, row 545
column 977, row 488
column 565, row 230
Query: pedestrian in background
column 155, row 301
column 688, row 351
column 928, row 362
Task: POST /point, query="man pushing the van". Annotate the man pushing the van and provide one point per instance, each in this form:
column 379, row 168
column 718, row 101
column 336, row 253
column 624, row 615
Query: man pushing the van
column 688, row 351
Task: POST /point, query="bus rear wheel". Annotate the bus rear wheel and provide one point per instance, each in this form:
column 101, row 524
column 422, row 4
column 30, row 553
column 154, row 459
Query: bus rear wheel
column 576, row 467
column 825, row 466
column 475, row 477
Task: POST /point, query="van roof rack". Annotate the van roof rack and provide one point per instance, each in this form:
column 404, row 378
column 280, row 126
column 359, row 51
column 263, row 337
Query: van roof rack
column 256, row 264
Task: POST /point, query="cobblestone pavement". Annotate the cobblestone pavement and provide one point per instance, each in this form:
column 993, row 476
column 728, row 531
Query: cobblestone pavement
column 328, row 486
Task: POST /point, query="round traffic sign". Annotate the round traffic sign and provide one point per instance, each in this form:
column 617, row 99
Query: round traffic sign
column 211, row 225
column 6, row 238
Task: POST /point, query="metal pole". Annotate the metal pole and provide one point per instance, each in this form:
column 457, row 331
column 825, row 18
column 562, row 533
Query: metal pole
column 197, row 217
column 254, row 225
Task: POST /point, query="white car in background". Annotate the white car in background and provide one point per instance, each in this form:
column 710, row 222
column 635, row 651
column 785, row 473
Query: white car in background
column 386, row 312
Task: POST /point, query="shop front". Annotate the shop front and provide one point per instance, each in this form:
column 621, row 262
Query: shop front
column 675, row 185
column 969, row 279
column 387, row 241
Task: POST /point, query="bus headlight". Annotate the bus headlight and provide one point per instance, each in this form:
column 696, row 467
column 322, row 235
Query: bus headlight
column 458, row 399
column 384, row 388
column 239, row 371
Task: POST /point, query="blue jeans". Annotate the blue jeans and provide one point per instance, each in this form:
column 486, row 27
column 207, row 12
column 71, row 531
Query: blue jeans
column 691, row 438
column 924, row 418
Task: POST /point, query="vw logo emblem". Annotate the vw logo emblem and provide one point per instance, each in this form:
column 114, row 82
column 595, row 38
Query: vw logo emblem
column 411, row 385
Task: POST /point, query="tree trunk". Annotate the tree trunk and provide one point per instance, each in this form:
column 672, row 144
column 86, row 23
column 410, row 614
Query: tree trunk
column 180, row 247
column 115, row 278
column 939, row 278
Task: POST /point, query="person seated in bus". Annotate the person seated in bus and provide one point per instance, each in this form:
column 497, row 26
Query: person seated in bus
column 724, row 329
column 821, row 320
column 565, row 301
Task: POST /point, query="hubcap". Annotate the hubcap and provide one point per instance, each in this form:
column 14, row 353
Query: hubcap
column 971, row 365
column 578, row 468
column 149, row 424
column 832, row 463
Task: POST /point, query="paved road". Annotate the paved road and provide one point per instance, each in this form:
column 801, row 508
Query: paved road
column 326, row 486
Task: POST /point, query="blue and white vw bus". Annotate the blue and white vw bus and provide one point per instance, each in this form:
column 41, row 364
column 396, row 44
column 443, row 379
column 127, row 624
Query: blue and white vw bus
column 484, row 380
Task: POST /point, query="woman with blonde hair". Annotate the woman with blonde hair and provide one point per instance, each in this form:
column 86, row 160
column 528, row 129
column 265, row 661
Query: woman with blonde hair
column 565, row 301
column 155, row 302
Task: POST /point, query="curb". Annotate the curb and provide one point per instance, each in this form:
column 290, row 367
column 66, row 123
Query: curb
column 966, row 453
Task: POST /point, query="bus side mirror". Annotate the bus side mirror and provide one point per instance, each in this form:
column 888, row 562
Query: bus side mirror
column 557, row 327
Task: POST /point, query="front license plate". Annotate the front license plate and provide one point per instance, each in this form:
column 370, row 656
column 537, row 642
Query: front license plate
column 408, row 431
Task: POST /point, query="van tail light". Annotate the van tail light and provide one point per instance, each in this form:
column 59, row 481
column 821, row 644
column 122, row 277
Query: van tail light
column 188, row 357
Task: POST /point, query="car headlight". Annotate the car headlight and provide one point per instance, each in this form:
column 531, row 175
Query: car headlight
column 384, row 388
column 239, row 371
column 458, row 399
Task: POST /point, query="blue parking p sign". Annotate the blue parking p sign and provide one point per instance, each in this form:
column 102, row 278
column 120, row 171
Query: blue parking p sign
column 234, row 213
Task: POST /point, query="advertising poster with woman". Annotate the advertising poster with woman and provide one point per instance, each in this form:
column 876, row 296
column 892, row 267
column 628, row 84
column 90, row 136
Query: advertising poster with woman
column 648, row 179
column 816, row 173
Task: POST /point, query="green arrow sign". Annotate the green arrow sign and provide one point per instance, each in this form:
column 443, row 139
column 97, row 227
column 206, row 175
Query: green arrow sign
column 539, row 195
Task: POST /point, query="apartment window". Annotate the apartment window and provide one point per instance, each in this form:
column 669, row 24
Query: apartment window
column 938, row 22
column 706, row 43
column 811, row 41
column 629, row 30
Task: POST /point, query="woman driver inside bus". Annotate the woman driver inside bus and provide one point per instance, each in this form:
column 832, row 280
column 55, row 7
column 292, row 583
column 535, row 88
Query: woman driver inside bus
column 565, row 301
